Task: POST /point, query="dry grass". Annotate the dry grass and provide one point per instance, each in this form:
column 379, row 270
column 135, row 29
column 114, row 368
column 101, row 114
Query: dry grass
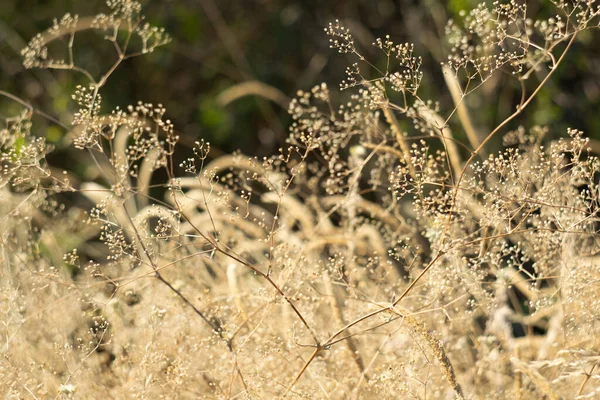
column 362, row 261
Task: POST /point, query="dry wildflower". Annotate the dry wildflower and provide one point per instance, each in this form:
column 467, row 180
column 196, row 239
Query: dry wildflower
column 366, row 259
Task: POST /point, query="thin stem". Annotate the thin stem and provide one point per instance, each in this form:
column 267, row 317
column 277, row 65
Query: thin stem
column 33, row 109
column 588, row 375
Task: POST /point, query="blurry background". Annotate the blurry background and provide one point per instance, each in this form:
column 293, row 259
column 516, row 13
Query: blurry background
column 218, row 44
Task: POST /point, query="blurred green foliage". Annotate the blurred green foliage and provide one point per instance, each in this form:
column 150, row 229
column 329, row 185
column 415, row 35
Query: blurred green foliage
column 218, row 44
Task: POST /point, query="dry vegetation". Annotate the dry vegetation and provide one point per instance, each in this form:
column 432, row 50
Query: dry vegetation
column 365, row 260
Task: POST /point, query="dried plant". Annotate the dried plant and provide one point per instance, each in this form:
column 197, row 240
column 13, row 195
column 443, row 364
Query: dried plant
column 369, row 258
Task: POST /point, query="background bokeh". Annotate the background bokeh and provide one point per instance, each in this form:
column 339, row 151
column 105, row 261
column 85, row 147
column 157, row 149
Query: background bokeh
column 220, row 43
